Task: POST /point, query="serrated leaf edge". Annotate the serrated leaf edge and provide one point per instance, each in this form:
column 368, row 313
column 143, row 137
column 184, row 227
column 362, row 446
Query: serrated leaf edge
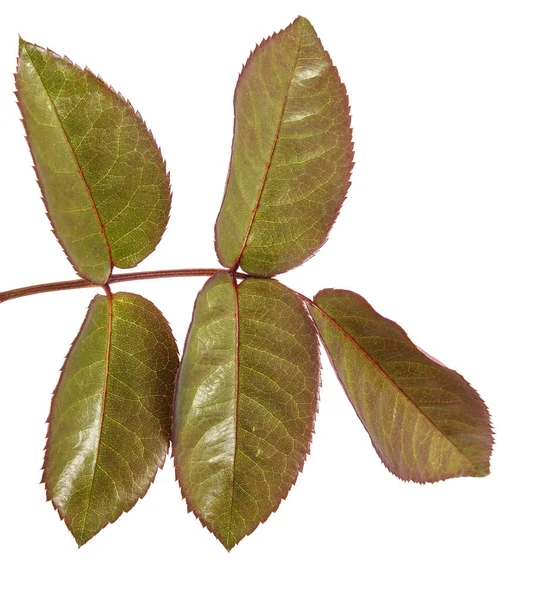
column 178, row 477
column 159, row 464
column 352, row 163
column 350, row 338
column 138, row 117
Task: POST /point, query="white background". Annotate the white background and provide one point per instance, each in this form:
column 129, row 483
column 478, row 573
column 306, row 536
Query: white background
column 441, row 232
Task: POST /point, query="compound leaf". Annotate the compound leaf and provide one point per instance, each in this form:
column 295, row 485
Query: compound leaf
column 245, row 404
column 291, row 158
column 109, row 427
column 103, row 179
column 425, row 421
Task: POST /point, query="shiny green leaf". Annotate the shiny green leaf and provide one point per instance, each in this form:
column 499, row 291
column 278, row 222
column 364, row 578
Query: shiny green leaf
column 425, row 420
column 246, row 402
column 109, row 427
column 103, row 179
column 291, row 156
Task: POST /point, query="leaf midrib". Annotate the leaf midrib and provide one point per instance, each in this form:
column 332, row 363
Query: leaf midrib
column 109, row 299
column 236, row 402
column 272, row 152
column 394, row 384
column 76, row 160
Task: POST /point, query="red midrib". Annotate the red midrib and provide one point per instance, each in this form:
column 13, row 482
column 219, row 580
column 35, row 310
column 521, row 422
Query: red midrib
column 74, row 155
column 236, row 400
column 272, row 152
column 109, row 298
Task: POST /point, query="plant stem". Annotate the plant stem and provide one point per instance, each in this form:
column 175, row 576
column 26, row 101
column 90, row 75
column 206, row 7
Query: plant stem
column 117, row 278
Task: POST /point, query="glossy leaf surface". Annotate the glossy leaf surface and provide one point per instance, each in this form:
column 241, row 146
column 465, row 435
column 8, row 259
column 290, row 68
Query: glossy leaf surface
column 425, row 421
column 102, row 176
column 246, row 402
column 109, row 427
column 291, row 156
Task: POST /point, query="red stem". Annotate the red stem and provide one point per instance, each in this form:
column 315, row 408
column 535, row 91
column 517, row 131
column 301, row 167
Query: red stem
column 117, row 278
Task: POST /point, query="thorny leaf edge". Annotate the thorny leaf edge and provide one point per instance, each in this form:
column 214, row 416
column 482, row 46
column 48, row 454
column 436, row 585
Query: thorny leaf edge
column 192, row 509
column 403, row 479
column 139, row 118
column 160, row 464
column 350, row 130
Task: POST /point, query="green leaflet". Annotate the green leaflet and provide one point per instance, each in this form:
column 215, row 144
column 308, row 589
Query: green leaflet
column 291, row 156
column 109, row 427
column 425, row 420
column 102, row 176
column 246, row 402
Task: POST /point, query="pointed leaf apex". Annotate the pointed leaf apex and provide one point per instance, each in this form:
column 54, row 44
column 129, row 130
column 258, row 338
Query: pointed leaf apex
column 302, row 21
column 80, row 538
column 228, row 541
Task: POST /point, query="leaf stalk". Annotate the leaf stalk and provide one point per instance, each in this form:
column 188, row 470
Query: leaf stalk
column 116, row 278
